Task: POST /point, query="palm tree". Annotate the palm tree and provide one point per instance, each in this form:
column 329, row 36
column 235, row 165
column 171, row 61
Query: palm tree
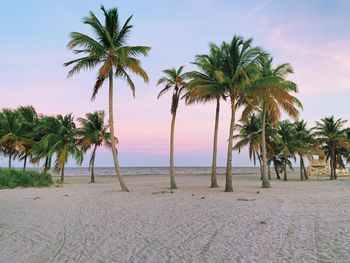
column 238, row 68
column 272, row 92
column 332, row 136
column 288, row 144
column 250, row 135
column 93, row 134
column 206, row 85
column 11, row 140
column 61, row 144
column 174, row 80
column 29, row 121
column 46, row 125
column 109, row 52
column 307, row 146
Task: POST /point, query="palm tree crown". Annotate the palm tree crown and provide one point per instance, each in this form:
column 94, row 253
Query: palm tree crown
column 107, row 50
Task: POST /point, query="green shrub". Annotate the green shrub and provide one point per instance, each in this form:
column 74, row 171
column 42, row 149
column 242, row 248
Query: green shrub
column 11, row 178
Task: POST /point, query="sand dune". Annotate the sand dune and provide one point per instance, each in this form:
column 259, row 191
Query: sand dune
column 292, row 222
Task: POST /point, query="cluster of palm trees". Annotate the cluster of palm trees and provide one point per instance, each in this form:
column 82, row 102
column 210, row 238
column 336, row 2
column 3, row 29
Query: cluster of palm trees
column 26, row 135
column 287, row 141
column 244, row 75
column 234, row 71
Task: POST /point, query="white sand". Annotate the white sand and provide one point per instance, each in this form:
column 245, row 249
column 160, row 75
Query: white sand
column 292, row 222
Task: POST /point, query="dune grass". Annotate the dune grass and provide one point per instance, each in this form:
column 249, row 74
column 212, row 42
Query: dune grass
column 12, row 178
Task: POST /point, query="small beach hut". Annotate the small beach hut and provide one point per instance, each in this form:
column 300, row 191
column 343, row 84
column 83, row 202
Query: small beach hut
column 318, row 166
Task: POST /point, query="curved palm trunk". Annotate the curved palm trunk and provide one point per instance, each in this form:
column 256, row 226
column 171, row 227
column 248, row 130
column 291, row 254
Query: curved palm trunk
column 214, row 182
column 265, row 180
column 93, row 164
column 228, row 186
column 62, row 174
column 172, row 164
column 111, row 128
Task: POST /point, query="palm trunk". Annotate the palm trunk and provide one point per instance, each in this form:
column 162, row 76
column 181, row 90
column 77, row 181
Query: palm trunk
column 269, row 170
column 111, row 128
column 25, row 162
column 228, row 186
column 305, row 173
column 10, row 160
column 214, row 182
column 50, row 161
column 62, row 174
column 301, row 168
column 260, row 167
column 335, row 168
column 285, row 173
column 172, row 163
column 46, row 165
column 93, row 164
column 332, row 171
column 265, row 181
column 277, row 173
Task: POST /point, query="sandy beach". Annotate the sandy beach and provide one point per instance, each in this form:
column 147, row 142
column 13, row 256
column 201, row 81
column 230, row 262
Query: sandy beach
column 80, row 222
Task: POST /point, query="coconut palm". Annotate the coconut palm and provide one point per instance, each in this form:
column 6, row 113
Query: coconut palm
column 108, row 51
column 288, row 144
column 93, row 134
column 307, row 146
column 29, row 121
column 238, row 67
column 206, row 85
column 62, row 143
column 332, row 136
column 11, row 140
column 46, row 125
column 250, row 136
column 272, row 93
column 174, row 79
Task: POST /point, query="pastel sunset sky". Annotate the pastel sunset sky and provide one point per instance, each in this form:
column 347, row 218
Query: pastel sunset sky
column 312, row 35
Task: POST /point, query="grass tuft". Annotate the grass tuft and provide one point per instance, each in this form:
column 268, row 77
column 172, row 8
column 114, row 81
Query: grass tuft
column 12, row 178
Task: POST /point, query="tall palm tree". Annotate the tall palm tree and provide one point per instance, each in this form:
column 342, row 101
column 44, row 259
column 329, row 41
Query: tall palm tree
column 93, row 134
column 11, row 140
column 332, row 136
column 108, row 51
column 272, row 92
column 61, row 144
column 206, row 85
column 238, row 68
column 174, row 79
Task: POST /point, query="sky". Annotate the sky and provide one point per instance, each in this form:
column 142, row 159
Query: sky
column 312, row 35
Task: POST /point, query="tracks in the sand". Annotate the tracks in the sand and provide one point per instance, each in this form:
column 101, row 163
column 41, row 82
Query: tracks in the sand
column 109, row 226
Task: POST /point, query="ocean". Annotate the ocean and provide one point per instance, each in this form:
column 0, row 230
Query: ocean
column 127, row 171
